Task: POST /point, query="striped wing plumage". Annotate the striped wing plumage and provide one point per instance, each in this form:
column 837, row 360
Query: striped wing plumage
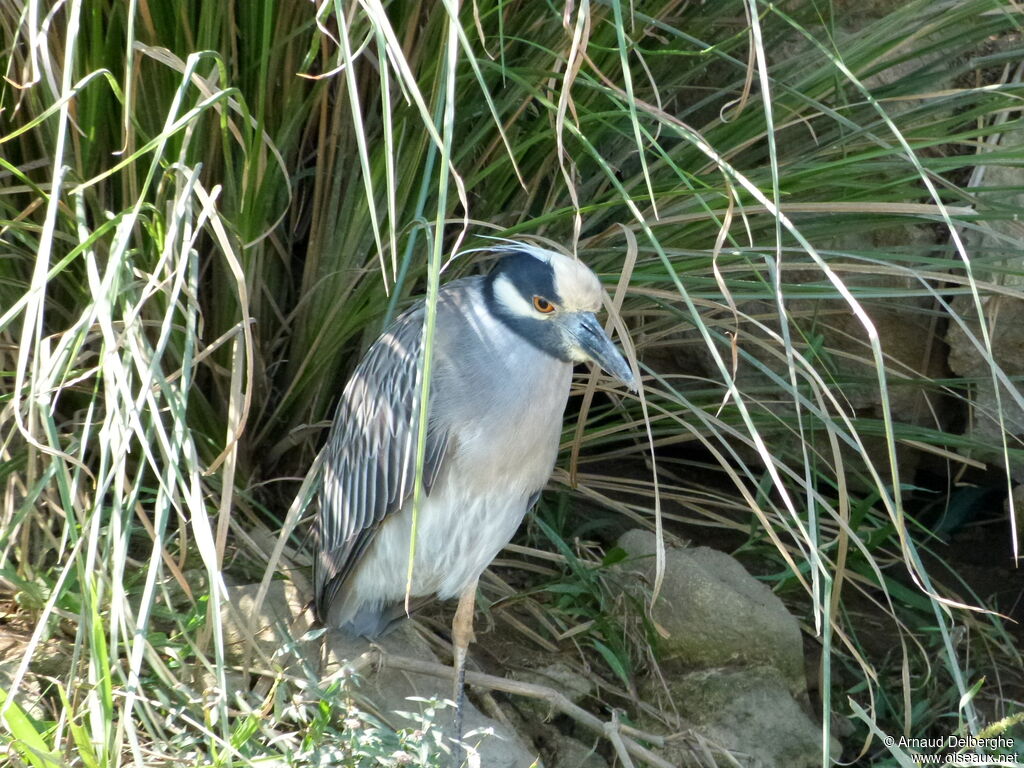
column 369, row 466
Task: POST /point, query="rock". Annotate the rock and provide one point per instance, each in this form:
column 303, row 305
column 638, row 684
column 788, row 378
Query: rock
column 839, row 345
column 274, row 636
column 717, row 614
column 257, row 635
column 567, row 752
column 749, row 712
column 1005, row 316
column 733, row 661
column 395, row 690
column 998, row 246
column 560, row 676
column 29, row 694
column 1018, row 500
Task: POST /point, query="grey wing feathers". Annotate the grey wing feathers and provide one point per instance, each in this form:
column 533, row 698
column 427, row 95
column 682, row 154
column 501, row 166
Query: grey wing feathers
column 370, row 459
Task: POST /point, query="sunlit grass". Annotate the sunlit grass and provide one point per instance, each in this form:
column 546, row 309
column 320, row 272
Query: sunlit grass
column 208, row 210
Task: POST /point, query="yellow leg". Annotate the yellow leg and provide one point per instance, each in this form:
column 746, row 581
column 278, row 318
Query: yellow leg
column 462, row 636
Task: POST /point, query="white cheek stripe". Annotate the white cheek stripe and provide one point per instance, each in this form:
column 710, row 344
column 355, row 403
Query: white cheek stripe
column 510, row 298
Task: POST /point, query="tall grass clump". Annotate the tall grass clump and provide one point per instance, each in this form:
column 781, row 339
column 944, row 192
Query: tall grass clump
column 208, row 210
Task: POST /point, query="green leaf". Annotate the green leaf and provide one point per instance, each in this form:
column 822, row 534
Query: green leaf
column 614, row 662
column 24, row 737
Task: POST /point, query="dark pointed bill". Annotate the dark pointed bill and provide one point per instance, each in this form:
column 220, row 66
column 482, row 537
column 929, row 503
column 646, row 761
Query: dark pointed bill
column 589, row 334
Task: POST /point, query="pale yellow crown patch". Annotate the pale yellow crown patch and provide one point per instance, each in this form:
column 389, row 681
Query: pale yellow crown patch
column 577, row 285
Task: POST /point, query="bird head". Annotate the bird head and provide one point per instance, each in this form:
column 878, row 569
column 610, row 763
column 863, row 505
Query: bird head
column 551, row 300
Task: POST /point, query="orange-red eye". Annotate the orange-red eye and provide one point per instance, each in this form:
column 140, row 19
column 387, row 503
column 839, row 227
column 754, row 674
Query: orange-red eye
column 543, row 305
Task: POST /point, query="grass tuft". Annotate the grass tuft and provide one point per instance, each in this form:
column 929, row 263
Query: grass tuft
column 208, row 210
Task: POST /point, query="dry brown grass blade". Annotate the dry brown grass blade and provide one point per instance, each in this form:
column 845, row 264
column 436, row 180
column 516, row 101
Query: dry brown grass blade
column 574, row 60
column 615, row 318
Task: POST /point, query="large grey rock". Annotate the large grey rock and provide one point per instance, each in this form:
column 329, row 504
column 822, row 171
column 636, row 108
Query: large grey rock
column 1005, row 317
column 257, row 634
column 567, row 752
column 733, row 661
column 29, row 695
column 395, row 690
column 559, row 676
column 749, row 712
column 273, row 635
column 1003, row 314
column 905, row 333
column 717, row 614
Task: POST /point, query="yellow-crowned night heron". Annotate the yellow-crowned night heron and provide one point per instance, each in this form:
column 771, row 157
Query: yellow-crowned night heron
column 504, row 348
